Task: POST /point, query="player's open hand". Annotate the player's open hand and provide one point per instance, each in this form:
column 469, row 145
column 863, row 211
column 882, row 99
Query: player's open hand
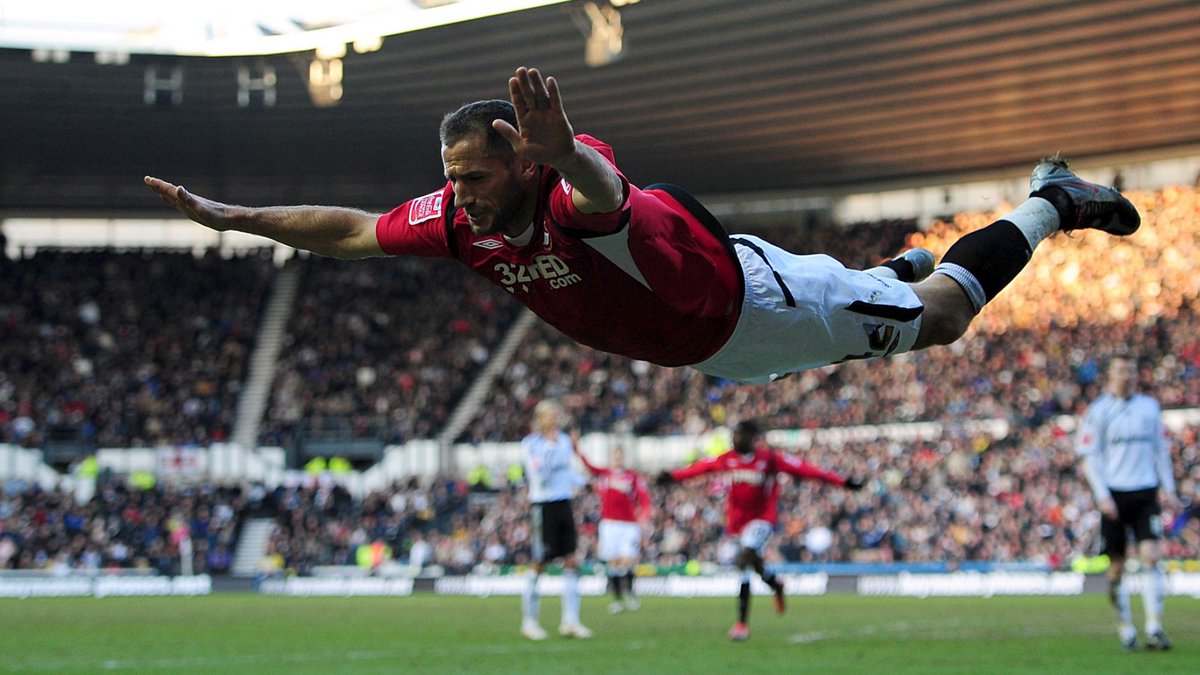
column 1108, row 508
column 1169, row 500
column 544, row 134
column 204, row 211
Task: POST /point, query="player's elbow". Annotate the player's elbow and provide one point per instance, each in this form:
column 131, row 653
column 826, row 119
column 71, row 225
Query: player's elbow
column 358, row 242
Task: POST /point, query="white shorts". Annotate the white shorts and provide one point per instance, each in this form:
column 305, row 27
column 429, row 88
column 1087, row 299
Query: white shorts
column 756, row 534
column 618, row 539
column 808, row 311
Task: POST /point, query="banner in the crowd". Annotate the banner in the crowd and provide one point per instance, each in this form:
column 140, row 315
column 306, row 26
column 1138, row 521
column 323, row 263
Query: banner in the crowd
column 727, row 585
column 103, row 586
column 678, row 586
column 483, row 586
column 972, row 584
column 179, row 461
column 1177, row 583
column 975, row 584
column 334, row 586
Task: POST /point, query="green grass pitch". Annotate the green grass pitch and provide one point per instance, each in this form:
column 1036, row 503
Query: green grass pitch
column 246, row 633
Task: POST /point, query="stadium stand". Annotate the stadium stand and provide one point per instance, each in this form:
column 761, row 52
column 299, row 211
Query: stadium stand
column 124, row 348
column 379, row 351
column 122, row 527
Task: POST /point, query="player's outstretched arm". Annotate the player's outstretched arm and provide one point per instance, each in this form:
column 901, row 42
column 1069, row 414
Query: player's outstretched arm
column 325, row 230
column 592, row 468
column 793, row 465
column 855, row 483
column 544, row 135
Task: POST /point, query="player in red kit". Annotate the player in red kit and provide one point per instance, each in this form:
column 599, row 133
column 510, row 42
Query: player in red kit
column 624, row 506
column 751, row 503
column 648, row 273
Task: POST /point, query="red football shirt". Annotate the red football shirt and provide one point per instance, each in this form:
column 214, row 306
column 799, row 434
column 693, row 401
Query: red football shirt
column 623, row 493
column 754, row 490
column 648, row 281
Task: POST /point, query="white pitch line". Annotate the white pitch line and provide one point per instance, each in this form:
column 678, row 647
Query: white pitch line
column 934, row 630
column 244, row 660
column 860, row 631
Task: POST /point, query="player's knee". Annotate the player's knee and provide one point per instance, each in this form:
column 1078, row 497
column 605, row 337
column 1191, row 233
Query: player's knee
column 1149, row 553
column 953, row 325
column 1116, row 567
column 948, row 311
column 942, row 327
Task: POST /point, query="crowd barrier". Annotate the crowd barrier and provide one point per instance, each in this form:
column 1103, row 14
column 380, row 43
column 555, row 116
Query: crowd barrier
column 722, row 584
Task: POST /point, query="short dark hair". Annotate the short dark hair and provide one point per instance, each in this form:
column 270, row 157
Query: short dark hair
column 749, row 427
column 476, row 118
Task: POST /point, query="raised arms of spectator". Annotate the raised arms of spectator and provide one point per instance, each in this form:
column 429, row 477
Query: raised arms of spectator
column 327, row 230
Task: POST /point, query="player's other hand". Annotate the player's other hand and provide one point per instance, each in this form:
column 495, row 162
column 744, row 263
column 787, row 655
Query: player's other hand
column 855, row 483
column 1168, row 500
column 543, row 134
column 204, row 211
column 664, row 478
column 1108, row 508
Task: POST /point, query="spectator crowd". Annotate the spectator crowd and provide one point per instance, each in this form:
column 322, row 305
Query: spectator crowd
column 122, row 527
column 125, row 348
column 381, row 348
column 955, row 498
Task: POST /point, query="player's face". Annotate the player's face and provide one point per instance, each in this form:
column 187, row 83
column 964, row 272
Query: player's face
column 617, row 459
column 547, row 419
column 743, row 439
column 1122, row 376
column 493, row 191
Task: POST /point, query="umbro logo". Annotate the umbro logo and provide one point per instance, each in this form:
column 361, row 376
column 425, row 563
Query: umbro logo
column 489, row 244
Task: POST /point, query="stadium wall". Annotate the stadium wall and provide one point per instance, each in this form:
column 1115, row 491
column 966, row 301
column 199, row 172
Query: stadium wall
column 721, row 584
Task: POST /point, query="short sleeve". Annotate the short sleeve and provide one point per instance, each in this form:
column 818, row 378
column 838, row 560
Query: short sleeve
column 1087, row 438
column 418, row 226
column 563, row 210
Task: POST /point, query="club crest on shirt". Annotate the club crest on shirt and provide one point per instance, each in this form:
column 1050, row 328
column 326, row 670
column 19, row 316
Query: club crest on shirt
column 426, row 208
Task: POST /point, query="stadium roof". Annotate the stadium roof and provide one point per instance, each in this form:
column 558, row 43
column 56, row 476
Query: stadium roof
column 228, row 27
column 804, row 96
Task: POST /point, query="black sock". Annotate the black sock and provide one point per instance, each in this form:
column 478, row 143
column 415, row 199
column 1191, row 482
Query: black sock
column 1061, row 202
column 744, row 602
column 994, row 255
column 614, row 585
column 903, row 268
column 629, row 582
